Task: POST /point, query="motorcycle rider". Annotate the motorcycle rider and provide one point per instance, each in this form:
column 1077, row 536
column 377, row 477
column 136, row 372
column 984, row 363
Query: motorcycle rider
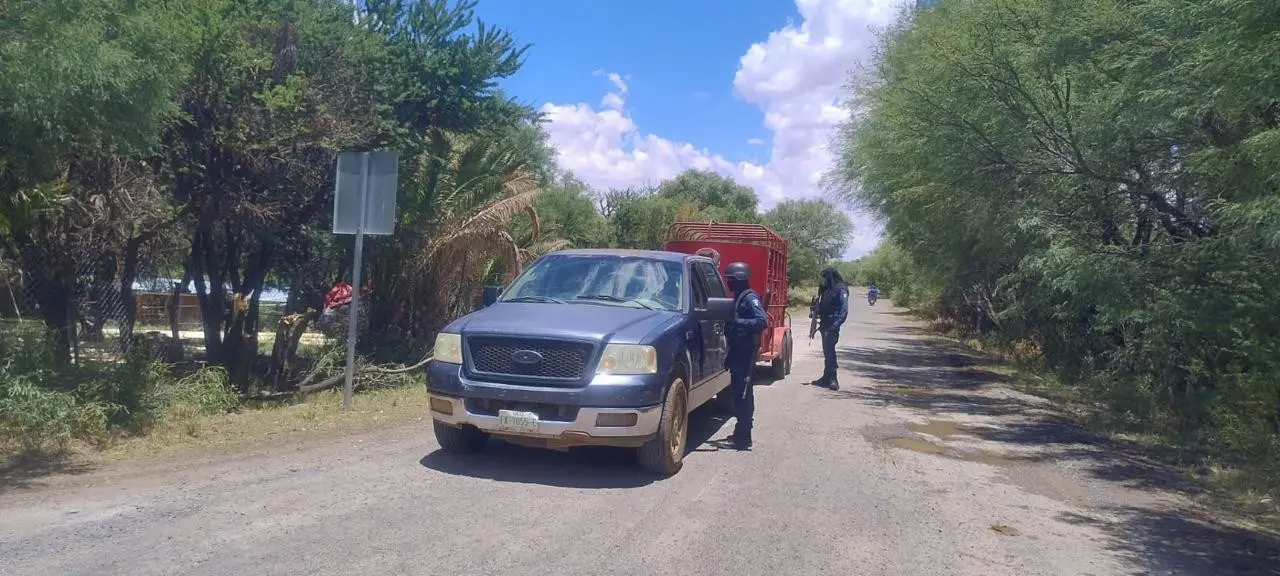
column 873, row 293
column 744, row 348
column 833, row 308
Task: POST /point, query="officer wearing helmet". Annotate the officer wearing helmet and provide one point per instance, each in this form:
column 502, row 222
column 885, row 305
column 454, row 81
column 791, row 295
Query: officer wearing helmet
column 744, row 347
column 833, row 309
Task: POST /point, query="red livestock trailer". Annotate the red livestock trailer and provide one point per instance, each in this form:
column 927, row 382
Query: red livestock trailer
column 766, row 253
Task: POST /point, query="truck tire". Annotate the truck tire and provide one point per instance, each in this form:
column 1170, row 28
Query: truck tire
column 664, row 455
column 464, row 440
column 782, row 364
column 790, row 353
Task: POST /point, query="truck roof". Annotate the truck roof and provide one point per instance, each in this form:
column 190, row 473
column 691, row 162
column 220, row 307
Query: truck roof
column 650, row 254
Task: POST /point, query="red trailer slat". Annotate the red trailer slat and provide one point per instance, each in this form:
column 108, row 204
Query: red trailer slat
column 760, row 248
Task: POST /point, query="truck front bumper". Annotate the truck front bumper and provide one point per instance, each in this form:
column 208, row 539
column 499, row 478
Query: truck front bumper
column 622, row 411
column 623, row 427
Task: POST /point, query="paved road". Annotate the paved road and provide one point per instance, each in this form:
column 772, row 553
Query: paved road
column 923, row 464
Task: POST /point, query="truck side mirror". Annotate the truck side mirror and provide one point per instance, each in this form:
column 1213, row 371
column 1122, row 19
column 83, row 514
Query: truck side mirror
column 491, row 294
column 720, row 309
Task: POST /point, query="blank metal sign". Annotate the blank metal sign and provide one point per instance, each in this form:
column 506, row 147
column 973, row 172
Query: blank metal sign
column 380, row 211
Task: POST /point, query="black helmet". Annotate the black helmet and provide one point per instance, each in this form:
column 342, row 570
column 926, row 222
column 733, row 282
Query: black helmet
column 738, row 271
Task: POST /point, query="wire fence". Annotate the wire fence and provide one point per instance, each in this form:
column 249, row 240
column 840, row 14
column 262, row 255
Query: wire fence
column 97, row 324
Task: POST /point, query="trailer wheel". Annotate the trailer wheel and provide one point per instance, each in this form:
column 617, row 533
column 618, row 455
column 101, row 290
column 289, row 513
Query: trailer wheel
column 782, row 364
column 789, row 352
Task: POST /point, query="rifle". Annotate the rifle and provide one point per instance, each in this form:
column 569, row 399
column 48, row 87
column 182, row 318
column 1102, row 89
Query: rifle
column 813, row 319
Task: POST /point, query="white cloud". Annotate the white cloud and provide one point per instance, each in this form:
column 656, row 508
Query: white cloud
column 618, row 81
column 796, row 77
column 755, row 141
column 606, row 149
column 613, row 101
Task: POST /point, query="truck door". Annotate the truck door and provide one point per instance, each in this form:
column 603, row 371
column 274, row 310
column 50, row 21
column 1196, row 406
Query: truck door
column 715, row 343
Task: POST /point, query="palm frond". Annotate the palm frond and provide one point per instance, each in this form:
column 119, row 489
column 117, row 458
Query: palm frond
column 470, row 189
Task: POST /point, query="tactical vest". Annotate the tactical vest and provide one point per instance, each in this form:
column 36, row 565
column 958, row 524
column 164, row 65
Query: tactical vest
column 755, row 336
column 827, row 306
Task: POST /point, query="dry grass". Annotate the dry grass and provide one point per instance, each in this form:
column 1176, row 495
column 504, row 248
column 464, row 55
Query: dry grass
column 318, row 415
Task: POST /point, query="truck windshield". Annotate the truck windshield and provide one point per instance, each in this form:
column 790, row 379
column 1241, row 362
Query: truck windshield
column 601, row 279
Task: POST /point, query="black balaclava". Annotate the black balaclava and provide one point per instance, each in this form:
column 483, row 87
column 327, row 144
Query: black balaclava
column 831, row 277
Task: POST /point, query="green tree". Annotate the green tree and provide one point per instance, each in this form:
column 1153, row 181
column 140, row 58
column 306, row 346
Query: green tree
column 282, row 86
column 715, row 196
column 817, row 232
column 279, row 87
column 567, row 211
column 80, row 103
column 640, row 221
column 436, row 273
column 851, row 271
column 1094, row 180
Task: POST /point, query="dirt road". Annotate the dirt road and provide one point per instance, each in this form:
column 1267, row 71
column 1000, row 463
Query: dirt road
column 923, row 464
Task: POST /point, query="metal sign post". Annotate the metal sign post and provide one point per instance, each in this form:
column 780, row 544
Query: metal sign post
column 364, row 202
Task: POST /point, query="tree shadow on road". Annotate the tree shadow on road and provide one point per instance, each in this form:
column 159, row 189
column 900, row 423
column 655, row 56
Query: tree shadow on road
column 1177, row 543
column 932, row 401
column 27, row 469
column 902, row 331
column 909, row 363
column 585, row 467
column 937, row 383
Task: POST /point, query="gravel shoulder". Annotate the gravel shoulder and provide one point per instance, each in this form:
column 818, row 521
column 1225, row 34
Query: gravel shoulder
column 925, row 462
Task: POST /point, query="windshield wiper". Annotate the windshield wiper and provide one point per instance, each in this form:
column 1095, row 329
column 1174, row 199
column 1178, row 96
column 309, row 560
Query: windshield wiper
column 535, row 299
column 612, row 298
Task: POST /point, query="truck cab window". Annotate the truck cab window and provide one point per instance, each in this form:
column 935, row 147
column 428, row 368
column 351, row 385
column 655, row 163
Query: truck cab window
column 714, row 283
column 699, row 288
column 601, row 279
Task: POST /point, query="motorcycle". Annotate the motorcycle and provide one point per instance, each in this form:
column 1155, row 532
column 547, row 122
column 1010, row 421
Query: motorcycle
column 872, row 296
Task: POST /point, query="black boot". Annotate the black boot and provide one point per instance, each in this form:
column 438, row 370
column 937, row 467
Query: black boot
column 741, row 438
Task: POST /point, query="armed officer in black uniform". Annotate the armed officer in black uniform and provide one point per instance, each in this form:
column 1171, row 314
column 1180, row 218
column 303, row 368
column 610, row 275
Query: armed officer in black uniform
column 833, row 309
column 744, row 348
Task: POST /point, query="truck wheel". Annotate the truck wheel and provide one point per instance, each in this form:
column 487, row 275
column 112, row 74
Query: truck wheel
column 788, row 350
column 782, row 364
column 461, row 440
column 664, row 455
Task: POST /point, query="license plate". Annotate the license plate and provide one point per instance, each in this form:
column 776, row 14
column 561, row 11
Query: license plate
column 513, row 421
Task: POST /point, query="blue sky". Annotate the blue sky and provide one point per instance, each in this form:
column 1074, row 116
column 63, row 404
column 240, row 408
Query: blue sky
column 680, row 56
column 636, row 92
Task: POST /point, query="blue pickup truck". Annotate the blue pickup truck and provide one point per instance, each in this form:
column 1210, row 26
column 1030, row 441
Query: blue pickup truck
column 587, row 347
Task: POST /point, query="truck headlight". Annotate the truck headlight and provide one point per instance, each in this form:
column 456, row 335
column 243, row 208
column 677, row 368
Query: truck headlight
column 628, row 359
column 448, row 348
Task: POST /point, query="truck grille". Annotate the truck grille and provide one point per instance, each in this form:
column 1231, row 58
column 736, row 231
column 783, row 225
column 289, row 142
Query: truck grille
column 555, row 359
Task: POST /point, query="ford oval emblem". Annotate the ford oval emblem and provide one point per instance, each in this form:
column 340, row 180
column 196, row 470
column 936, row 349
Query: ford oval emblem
column 526, row 357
